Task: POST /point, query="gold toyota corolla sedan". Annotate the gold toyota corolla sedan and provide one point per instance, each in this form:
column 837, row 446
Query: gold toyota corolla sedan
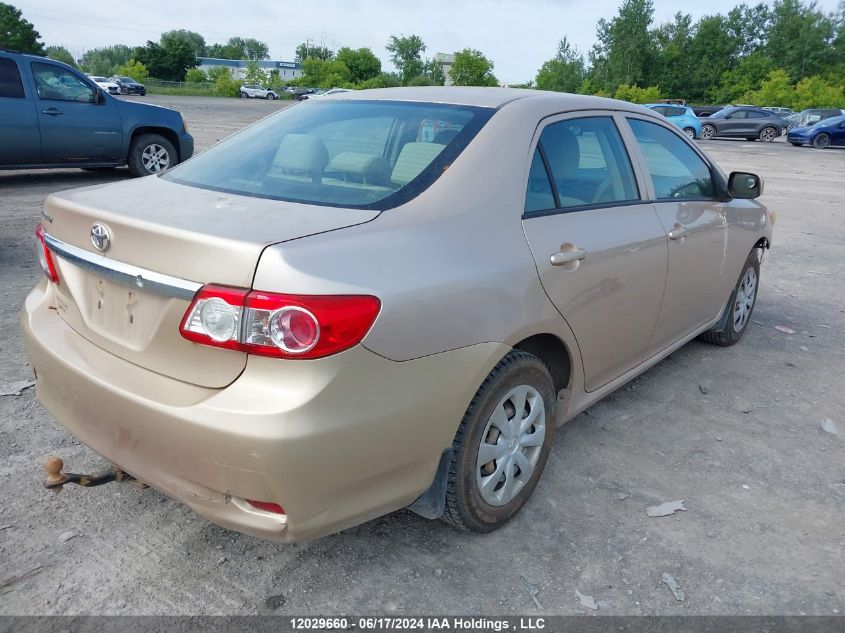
column 384, row 299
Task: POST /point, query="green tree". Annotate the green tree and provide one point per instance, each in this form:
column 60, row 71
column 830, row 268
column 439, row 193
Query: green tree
column 472, row 68
column 312, row 51
column 384, row 80
column 745, row 77
column 254, row 74
column 406, row 54
column 362, row 63
column 675, row 63
column 434, row 70
column 239, row 48
column 195, row 41
column 565, row 72
column 325, row 74
column 17, row 33
column 776, row 90
column 196, row 76
column 815, row 92
column 625, row 52
column 103, row 61
column 635, row 94
column 714, row 51
column 168, row 60
column 800, row 38
column 61, row 54
column 134, row 69
column 224, row 84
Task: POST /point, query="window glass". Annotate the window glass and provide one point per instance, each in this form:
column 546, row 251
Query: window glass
column 739, row 114
column 676, row 170
column 10, row 79
column 588, row 162
column 753, row 114
column 539, row 196
column 370, row 154
column 675, row 111
column 54, row 82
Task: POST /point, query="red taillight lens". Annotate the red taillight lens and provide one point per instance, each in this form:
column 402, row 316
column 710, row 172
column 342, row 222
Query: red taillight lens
column 45, row 257
column 286, row 326
column 267, row 506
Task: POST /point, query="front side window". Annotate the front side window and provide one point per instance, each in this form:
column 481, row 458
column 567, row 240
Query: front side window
column 588, row 162
column 10, row 79
column 56, row 83
column 675, row 169
column 362, row 154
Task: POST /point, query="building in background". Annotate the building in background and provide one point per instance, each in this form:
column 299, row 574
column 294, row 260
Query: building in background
column 447, row 60
column 287, row 70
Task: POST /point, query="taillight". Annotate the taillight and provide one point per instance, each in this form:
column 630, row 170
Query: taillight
column 282, row 325
column 45, row 257
column 267, row 506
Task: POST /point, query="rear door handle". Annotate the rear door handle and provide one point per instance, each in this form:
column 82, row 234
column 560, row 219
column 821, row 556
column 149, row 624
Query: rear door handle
column 564, row 257
column 52, row 112
column 678, row 232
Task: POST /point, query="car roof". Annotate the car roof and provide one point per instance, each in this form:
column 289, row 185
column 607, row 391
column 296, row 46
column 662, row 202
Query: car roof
column 486, row 97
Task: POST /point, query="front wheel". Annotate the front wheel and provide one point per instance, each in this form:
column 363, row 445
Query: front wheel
column 151, row 154
column 690, row 132
column 768, row 134
column 502, row 444
column 822, row 141
column 707, row 132
column 740, row 306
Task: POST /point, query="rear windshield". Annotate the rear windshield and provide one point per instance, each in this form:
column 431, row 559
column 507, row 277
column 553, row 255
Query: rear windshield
column 360, row 154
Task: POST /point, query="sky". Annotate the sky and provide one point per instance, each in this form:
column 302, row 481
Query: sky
column 517, row 35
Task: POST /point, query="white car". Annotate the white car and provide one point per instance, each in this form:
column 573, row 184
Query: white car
column 319, row 95
column 257, row 92
column 105, row 84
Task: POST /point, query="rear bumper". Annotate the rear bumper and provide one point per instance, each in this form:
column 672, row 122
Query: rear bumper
column 336, row 441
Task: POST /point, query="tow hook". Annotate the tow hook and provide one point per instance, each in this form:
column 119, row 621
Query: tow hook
column 56, row 479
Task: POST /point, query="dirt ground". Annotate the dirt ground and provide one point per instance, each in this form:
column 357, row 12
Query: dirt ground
column 736, row 433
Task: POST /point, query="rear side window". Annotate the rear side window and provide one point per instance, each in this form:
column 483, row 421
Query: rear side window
column 588, row 162
column 361, row 154
column 752, row 114
column 675, row 169
column 539, row 196
column 675, row 111
column 11, row 86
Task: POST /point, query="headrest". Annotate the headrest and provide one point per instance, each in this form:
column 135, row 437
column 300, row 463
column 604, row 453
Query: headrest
column 414, row 158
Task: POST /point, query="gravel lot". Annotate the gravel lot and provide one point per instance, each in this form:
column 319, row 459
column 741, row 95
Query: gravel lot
column 736, row 433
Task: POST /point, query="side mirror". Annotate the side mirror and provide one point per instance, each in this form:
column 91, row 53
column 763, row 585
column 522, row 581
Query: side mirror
column 744, row 185
column 100, row 99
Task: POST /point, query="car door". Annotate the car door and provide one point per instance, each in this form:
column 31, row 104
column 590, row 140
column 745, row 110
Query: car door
column 21, row 141
column 600, row 249
column 837, row 134
column 735, row 124
column 682, row 187
column 76, row 124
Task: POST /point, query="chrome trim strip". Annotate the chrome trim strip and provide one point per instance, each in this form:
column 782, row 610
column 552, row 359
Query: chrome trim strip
column 126, row 274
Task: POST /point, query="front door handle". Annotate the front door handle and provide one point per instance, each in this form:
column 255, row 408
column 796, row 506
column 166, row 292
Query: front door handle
column 567, row 256
column 52, row 112
column 678, row 232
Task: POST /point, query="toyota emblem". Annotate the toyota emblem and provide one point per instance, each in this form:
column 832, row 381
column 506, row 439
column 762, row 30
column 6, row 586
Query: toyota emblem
column 100, row 237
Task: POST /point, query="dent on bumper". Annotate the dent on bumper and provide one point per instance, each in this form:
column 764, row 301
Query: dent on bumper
column 335, row 441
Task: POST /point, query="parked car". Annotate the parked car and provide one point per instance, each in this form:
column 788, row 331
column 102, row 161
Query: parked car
column 812, row 116
column 706, row 110
column 129, row 86
column 781, row 112
column 682, row 116
column 257, row 92
column 284, row 354
column 323, row 93
column 54, row 116
column 822, row 134
column 743, row 122
column 109, row 86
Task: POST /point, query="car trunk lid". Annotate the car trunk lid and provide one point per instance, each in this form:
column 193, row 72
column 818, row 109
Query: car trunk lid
column 166, row 240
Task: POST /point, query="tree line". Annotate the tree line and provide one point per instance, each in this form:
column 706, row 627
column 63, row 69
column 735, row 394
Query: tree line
column 789, row 54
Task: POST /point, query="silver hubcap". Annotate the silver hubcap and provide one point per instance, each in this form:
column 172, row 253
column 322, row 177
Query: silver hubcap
column 690, row 133
column 768, row 134
column 155, row 158
column 707, row 132
column 511, row 445
column 745, row 295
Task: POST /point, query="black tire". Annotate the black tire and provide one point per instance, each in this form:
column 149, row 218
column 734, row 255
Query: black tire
column 796, row 144
column 768, row 134
column 729, row 334
column 243, row 95
column 271, row 96
column 136, row 152
column 690, row 132
column 465, row 508
column 822, row 141
column 143, row 93
column 708, row 132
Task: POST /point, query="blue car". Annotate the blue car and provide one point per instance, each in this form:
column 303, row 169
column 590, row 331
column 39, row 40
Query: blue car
column 682, row 116
column 823, row 134
column 51, row 115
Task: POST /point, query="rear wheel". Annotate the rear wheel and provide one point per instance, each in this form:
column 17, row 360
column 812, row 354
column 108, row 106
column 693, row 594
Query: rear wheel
column 707, row 132
column 271, row 96
column 244, row 95
column 768, row 134
column 740, row 305
column 502, row 444
column 690, row 132
column 151, row 154
column 822, row 141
